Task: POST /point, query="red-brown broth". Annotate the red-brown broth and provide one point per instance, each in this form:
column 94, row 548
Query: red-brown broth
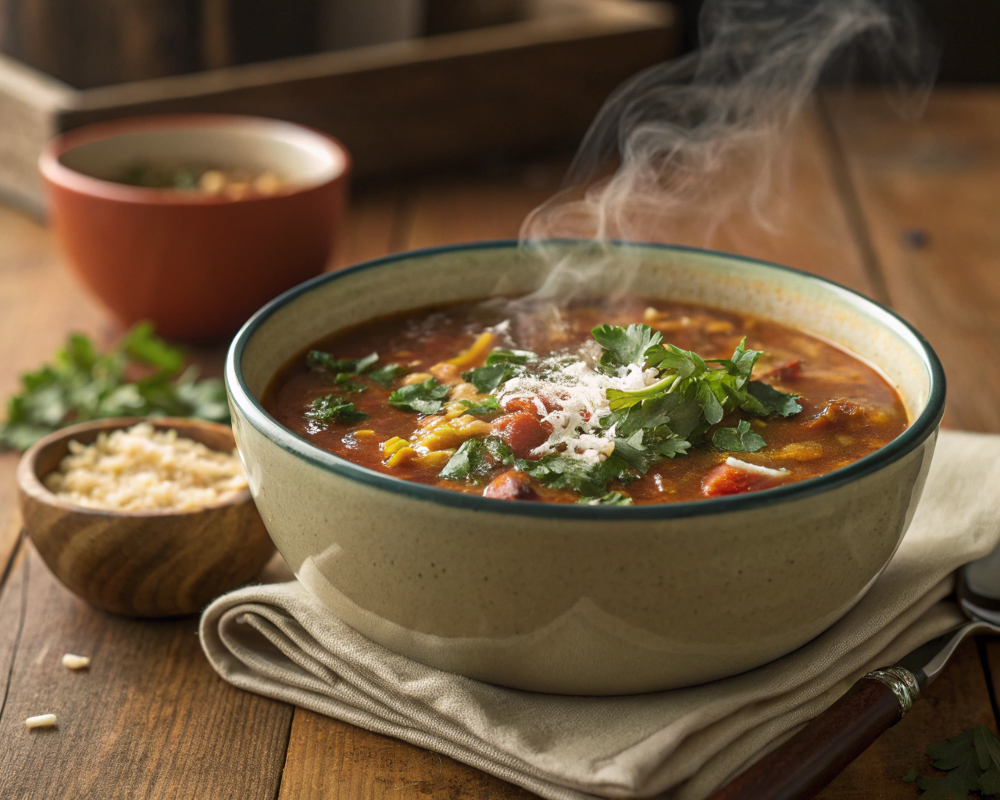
column 821, row 438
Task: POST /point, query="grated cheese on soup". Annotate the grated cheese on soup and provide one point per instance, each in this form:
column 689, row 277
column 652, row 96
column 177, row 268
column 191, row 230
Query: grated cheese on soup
column 143, row 469
column 577, row 396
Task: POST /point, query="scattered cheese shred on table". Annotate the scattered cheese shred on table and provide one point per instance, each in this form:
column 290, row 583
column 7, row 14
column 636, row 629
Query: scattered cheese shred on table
column 75, row 662
column 41, row 721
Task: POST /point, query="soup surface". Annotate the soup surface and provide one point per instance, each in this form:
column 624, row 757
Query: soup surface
column 640, row 402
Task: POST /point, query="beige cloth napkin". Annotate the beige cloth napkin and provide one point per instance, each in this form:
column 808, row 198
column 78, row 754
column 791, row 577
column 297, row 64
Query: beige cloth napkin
column 277, row 641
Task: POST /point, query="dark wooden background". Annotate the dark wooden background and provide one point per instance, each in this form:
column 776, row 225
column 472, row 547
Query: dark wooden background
column 908, row 213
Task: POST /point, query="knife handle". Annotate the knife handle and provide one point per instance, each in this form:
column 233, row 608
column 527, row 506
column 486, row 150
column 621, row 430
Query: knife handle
column 816, row 755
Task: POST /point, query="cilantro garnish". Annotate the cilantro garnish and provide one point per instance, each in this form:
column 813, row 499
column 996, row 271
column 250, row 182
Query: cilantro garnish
column 499, row 356
column 345, row 380
column 739, row 439
column 424, row 398
column 609, row 499
column 773, row 401
column 470, row 462
column 475, row 458
column 972, row 763
column 691, row 395
column 587, row 478
column 333, row 409
column 501, row 366
column 317, row 359
column 624, row 346
column 387, row 374
column 487, row 379
column 488, row 405
column 81, row 385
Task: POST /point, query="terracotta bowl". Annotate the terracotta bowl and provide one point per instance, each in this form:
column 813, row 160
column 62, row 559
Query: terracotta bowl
column 582, row 599
column 141, row 564
column 194, row 263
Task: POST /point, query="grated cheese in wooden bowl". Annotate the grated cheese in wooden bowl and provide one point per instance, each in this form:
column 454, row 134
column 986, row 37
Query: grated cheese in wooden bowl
column 143, row 469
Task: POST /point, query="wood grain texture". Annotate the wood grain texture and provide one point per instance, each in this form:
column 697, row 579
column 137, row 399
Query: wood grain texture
column 158, row 564
column 31, row 330
column 409, row 105
column 958, row 700
column 928, row 191
column 149, row 718
column 813, row 757
column 331, row 760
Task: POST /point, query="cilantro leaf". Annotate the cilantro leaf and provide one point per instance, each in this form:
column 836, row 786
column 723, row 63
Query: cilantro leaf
column 317, row 359
column 565, row 472
column 670, row 447
column 345, row 380
column 739, row 439
column 632, row 452
column 141, row 344
column 424, row 398
column 82, row 384
column 681, row 362
column 972, row 763
column 774, row 401
column 609, row 499
column 475, row 458
column 333, row 409
column 387, row 374
column 624, row 346
column 589, row 479
column 499, row 356
column 488, row 405
column 487, row 379
column 468, row 462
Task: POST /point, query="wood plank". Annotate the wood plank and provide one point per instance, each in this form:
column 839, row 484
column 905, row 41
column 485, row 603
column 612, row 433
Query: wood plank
column 149, row 714
column 30, row 270
column 813, row 234
column 929, row 192
column 810, row 229
column 331, row 760
column 954, row 703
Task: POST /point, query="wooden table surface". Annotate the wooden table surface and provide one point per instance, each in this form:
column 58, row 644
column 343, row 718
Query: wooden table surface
column 908, row 213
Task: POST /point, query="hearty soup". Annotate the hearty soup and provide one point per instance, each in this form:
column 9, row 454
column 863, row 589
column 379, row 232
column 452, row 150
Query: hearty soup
column 642, row 402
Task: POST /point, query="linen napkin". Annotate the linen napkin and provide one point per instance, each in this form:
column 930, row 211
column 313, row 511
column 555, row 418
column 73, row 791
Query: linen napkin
column 278, row 641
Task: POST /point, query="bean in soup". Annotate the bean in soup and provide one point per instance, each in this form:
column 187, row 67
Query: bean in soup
column 641, row 402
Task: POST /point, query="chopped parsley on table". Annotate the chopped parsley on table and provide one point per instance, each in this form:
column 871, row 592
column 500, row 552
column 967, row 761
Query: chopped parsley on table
column 82, row 385
column 971, row 763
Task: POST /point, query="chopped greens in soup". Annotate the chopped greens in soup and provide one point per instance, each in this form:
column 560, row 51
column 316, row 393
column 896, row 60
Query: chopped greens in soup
column 640, row 402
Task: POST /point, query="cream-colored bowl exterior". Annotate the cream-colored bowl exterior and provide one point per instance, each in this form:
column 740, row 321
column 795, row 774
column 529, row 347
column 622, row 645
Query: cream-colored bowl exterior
column 581, row 600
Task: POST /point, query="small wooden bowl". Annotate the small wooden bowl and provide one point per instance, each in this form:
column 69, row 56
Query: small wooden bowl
column 142, row 564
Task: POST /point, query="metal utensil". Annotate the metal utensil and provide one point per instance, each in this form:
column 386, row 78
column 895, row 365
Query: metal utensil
column 819, row 752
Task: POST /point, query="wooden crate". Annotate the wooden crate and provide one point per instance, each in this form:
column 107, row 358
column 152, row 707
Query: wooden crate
column 408, row 105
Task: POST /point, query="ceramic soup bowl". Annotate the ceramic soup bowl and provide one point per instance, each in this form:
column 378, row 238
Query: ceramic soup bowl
column 582, row 599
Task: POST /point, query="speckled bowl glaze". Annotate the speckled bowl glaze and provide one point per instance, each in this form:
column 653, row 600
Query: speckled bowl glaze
column 582, row 599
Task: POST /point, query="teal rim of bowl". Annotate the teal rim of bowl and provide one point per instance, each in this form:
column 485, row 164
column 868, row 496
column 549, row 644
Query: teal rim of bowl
column 922, row 427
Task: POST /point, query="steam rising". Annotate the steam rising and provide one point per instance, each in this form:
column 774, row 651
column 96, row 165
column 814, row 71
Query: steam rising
column 704, row 138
